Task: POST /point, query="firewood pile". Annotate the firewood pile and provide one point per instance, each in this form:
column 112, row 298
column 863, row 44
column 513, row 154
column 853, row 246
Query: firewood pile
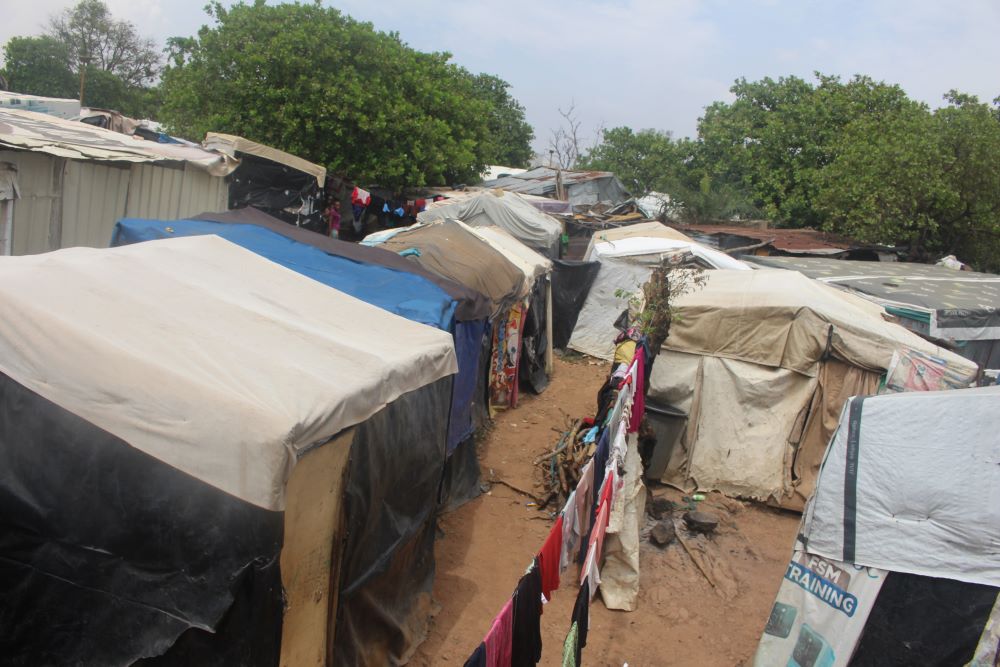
column 561, row 467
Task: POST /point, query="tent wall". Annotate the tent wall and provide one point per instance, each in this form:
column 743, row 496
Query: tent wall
column 571, row 282
column 743, row 422
column 836, row 382
column 535, row 342
column 108, row 555
column 66, row 203
column 396, row 468
column 924, row 621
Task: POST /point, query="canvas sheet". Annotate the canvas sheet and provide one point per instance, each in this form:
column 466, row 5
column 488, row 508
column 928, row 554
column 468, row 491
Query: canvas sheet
column 783, row 319
column 207, row 356
column 911, row 483
column 742, row 421
column 651, row 229
column 452, row 250
column 819, row 613
column 506, row 210
column 652, row 249
column 230, row 144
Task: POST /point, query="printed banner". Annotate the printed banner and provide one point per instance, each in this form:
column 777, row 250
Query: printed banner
column 911, row 370
column 820, row 611
column 506, row 357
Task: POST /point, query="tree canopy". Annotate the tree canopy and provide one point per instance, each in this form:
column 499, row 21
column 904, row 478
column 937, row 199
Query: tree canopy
column 315, row 82
column 856, row 157
column 85, row 41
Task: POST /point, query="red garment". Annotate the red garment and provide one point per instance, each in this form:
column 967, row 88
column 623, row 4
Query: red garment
column 638, row 399
column 498, row 639
column 548, row 559
column 421, row 204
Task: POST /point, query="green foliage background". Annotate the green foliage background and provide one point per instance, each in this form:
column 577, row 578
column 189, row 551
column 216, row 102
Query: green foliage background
column 855, row 157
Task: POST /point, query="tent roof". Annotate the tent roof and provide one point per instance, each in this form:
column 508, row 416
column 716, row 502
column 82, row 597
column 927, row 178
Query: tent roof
column 638, row 247
column 403, row 294
column 924, row 467
column 231, row 144
column 507, row 210
column 451, row 249
column 207, row 356
column 963, row 305
column 651, row 229
column 530, row 262
column 471, row 304
column 783, row 319
column 43, row 133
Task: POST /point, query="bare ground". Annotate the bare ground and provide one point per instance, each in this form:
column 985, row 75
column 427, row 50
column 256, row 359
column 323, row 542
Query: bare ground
column 683, row 618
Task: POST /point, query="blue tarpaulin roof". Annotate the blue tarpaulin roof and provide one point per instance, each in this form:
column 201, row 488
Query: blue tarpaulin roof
column 405, row 294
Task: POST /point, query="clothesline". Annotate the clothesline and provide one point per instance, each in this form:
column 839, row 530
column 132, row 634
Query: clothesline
column 514, row 637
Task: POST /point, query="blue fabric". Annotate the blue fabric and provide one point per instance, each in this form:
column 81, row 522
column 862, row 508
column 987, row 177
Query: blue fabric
column 468, row 343
column 404, row 294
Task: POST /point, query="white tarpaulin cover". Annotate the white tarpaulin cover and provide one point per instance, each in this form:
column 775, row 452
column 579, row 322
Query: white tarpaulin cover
column 650, row 230
column 63, row 138
column 230, row 144
column 506, row 210
column 207, row 356
column 911, row 483
column 626, row 265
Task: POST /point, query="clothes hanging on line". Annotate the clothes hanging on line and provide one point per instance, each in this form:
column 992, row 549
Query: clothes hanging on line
column 548, row 559
column 526, row 629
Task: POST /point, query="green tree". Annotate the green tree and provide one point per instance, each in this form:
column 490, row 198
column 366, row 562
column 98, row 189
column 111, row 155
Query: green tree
column 39, row 66
column 93, row 37
column 644, row 161
column 510, row 134
column 319, row 84
column 968, row 213
column 885, row 179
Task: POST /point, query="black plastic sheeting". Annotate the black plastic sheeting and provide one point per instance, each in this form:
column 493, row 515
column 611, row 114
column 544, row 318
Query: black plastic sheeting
column 108, row 555
column 387, row 573
column 461, row 476
column 274, row 188
column 534, row 343
column 919, row 621
column 571, row 283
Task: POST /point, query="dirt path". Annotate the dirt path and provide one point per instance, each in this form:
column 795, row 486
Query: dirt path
column 682, row 619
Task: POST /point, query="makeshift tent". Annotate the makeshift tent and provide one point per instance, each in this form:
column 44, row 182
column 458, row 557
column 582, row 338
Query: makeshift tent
column 210, row 459
column 536, row 336
column 581, row 188
column 626, row 265
column 401, row 293
column 960, row 307
column 285, row 185
column 471, row 304
column 506, row 210
column 456, row 251
column 762, row 362
column 906, row 503
column 571, row 283
column 452, row 250
column 650, row 230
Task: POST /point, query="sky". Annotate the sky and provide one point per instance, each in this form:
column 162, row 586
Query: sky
column 649, row 63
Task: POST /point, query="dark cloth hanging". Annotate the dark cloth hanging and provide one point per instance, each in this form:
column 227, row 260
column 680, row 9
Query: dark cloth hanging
column 581, row 616
column 478, row 657
column 526, row 636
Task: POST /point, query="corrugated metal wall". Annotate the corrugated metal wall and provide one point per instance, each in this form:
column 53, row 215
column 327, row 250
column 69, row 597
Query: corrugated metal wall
column 39, row 182
column 93, row 201
column 168, row 194
column 68, row 203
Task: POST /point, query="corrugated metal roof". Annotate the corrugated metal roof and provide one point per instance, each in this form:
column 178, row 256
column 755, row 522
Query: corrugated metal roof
column 810, row 241
column 42, row 133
